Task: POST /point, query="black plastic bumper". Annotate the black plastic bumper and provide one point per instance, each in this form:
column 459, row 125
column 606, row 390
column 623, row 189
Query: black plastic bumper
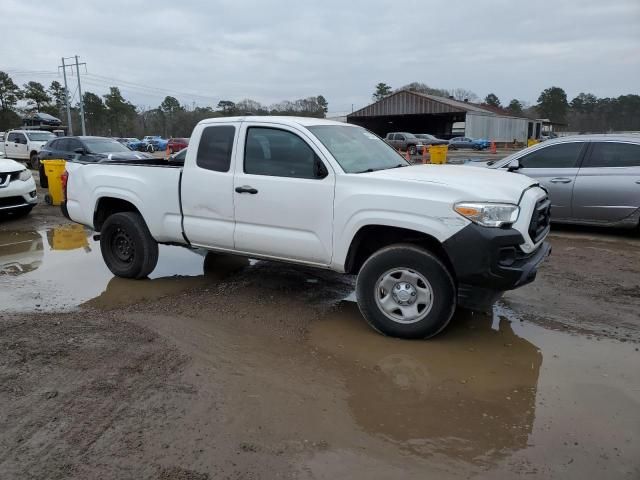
column 488, row 261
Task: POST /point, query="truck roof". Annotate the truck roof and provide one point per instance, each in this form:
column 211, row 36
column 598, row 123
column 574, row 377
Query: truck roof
column 283, row 120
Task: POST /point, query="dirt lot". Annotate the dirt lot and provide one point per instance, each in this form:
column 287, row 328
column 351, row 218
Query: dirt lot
column 219, row 367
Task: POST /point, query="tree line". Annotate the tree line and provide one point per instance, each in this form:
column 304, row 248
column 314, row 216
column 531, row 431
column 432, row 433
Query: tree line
column 586, row 113
column 113, row 115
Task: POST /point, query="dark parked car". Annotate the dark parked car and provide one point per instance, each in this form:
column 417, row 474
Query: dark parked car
column 428, row 139
column 40, row 119
column 176, row 144
column 591, row 179
column 85, row 149
column 404, row 141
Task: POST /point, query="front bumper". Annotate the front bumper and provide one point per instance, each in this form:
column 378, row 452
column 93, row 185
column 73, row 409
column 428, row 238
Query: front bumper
column 18, row 194
column 489, row 261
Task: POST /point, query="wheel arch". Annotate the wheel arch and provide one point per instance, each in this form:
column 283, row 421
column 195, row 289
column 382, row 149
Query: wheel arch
column 106, row 206
column 371, row 238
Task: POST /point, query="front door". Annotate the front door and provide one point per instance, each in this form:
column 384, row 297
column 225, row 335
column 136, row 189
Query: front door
column 283, row 195
column 555, row 167
column 608, row 183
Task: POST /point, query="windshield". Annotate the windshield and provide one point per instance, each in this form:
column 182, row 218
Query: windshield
column 426, row 135
column 40, row 136
column 357, row 150
column 99, row 145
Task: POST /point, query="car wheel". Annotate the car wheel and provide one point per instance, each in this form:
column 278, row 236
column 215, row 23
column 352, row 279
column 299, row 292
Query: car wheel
column 412, row 149
column 452, row 147
column 150, row 148
column 34, row 161
column 405, row 291
column 128, row 249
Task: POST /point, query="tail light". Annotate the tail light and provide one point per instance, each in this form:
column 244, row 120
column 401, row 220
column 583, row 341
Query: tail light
column 65, row 180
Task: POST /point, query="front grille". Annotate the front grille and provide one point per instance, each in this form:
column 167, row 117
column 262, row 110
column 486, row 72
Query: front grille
column 12, row 176
column 11, row 201
column 540, row 220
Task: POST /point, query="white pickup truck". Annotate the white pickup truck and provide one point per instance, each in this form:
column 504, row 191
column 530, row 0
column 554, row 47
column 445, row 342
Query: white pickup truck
column 25, row 145
column 423, row 239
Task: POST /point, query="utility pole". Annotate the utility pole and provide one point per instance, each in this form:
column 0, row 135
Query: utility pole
column 66, row 88
column 84, row 130
column 66, row 97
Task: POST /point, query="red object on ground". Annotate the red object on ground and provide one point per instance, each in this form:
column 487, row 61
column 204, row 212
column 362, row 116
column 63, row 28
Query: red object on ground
column 493, row 147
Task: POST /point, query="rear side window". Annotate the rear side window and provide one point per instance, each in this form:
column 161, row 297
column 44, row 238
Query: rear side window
column 563, row 155
column 214, row 150
column 63, row 145
column 278, row 153
column 11, row 137
column 611, row 154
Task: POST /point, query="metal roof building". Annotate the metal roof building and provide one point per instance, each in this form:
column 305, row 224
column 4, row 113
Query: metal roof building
column 407, row 111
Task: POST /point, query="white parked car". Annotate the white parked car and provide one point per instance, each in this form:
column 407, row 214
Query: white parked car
column 17, row 188
column 423, row 239
column 25, row 145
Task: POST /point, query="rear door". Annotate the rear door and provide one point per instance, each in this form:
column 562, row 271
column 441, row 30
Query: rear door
column 555, row 167
column 608, row 183
column 206, row 188
column 283, row 195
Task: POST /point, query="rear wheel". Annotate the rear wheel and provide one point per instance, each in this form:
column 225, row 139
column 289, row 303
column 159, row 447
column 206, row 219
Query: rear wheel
column 405, row 291
column 412, row 149
column 34, row 161
column 127, row 247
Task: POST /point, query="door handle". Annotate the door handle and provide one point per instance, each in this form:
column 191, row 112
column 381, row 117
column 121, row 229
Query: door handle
column 246, row 189
column 638, row 182
column 561, row 180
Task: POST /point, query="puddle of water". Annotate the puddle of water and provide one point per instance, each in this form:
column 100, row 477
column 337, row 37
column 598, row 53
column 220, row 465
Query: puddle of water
column 62, row 268
column 494, row 393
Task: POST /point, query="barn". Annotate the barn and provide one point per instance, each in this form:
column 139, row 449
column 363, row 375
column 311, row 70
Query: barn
column 407, row 111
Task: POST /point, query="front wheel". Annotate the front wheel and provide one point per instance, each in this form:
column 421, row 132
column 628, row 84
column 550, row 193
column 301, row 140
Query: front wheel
column 128, row 249
column 405, row 291
column 412, row 149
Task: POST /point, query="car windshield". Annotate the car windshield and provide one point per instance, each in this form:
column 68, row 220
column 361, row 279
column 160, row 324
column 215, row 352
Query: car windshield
column 40, row 136
column 357, row 150
column 106, row 145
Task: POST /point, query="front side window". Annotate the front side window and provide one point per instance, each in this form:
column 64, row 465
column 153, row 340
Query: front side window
column 612, row 154
column 563, row 155
column 20, row 138
column 279, row 153
column 216, row 145
column 357, row 150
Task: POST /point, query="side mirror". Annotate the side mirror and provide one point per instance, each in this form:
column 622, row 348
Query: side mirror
column 513, row 166
column 319, row 170
column 79, row 151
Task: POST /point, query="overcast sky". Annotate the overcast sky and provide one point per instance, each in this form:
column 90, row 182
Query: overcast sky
column 271, row 50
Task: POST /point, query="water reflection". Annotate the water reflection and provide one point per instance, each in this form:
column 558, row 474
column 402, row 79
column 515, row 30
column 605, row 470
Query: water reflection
column 468, row 394
column 20, row 252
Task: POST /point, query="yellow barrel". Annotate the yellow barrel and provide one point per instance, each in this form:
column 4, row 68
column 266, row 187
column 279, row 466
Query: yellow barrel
column 438, row 153
column 532, row 141
column 54, row 170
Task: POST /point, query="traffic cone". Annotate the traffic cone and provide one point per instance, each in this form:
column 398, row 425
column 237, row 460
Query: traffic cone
column 493, row 147
column 408, row 156
column 424, row 154
column 168, row 154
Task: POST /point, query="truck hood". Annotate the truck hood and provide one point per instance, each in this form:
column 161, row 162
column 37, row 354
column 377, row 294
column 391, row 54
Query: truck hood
column 7, row 166
column 480, row 183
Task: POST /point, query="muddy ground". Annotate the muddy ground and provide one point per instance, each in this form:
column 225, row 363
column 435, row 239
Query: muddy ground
column 219, row 367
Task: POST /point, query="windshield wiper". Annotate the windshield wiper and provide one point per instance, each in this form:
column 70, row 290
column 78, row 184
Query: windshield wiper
column 366, row 171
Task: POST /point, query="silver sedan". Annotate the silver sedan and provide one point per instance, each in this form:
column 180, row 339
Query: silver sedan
column 591, row 179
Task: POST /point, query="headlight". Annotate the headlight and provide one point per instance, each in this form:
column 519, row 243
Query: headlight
column 488, row 214
column 25, row 175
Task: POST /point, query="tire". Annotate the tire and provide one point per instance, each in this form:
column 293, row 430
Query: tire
column 127, row 247
column 34, row 161
column 412, row 149
column 150, row 148
column 423, row 278
column 452, row 147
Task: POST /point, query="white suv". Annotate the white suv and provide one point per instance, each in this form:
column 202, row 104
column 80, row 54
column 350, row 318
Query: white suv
column 17, row 188
column 25, row 145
